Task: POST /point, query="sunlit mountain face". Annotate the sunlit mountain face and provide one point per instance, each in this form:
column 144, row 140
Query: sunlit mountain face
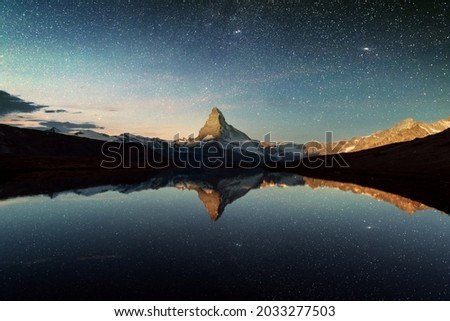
column 295, row 68
column 406, row 130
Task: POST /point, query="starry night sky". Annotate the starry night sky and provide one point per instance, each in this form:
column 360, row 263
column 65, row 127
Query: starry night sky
column 295, row 68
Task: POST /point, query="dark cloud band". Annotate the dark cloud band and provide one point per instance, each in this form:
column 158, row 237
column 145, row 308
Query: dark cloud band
column 53, row 111
column 69, row 125
column 12, row 104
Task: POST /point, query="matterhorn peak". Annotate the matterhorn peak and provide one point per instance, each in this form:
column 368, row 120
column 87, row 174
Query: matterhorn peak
column 216, row 110
column 218, row 129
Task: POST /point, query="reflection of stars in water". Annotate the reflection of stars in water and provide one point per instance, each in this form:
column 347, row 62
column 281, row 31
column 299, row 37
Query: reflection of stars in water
column 369, row 226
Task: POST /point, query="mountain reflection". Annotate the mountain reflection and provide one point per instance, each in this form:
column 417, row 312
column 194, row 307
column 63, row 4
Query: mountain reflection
column 215, row 188
column 405, row 204
column 217, row 192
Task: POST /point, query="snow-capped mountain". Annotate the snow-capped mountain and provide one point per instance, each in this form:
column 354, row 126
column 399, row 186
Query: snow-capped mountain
column 85, row 133
column 48, row 143
column 54, row 130
column 92, row 135
column 215, row 138
column 216, row 128
column 406, row 130
column 217, row 144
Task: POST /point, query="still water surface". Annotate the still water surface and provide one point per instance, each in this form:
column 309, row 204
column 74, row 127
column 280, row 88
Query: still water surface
column 269, row 243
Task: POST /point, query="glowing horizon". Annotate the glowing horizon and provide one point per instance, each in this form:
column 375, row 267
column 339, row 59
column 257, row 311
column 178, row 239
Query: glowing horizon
column 296, row 70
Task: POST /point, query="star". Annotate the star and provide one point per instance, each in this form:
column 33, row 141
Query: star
column 148, row 60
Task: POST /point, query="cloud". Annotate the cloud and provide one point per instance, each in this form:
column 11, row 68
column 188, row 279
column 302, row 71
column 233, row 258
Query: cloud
column 69, row 125
column 52, row 111
column 10, row 104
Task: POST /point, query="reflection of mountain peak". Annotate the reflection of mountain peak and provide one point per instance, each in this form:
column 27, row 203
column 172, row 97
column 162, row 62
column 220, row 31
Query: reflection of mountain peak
column 212, row 201
column 217, row 128
column 216, row 189
column 209, row 197
column 405, row 204
column 226, row 190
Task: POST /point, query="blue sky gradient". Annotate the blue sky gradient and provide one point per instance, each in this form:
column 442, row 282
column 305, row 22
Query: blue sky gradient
column 295, row 68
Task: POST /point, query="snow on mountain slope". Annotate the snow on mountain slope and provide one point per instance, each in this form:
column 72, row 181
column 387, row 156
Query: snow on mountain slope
column 406, row 130
column 93, row 135
column 54, row 130
column 218, row 129
column 86, row 133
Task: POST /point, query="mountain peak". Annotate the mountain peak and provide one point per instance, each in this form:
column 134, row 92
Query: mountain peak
column 53, row 130
column 216, row 117
column 408, row 120
column 217, row 128
column 216, row 110
column 405, row 124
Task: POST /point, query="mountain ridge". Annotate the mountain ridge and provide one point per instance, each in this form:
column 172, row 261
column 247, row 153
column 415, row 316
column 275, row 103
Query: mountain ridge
column 406, row 130
column 217, row 128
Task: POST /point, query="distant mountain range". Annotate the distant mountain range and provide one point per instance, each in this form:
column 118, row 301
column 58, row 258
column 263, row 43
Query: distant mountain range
column 216, row 139
column 406, row 168
column 217, row 129
column 31, row 142
column 406, row 130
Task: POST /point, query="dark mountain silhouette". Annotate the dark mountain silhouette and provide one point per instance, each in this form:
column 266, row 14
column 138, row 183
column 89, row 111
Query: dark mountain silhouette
column 32, row 142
